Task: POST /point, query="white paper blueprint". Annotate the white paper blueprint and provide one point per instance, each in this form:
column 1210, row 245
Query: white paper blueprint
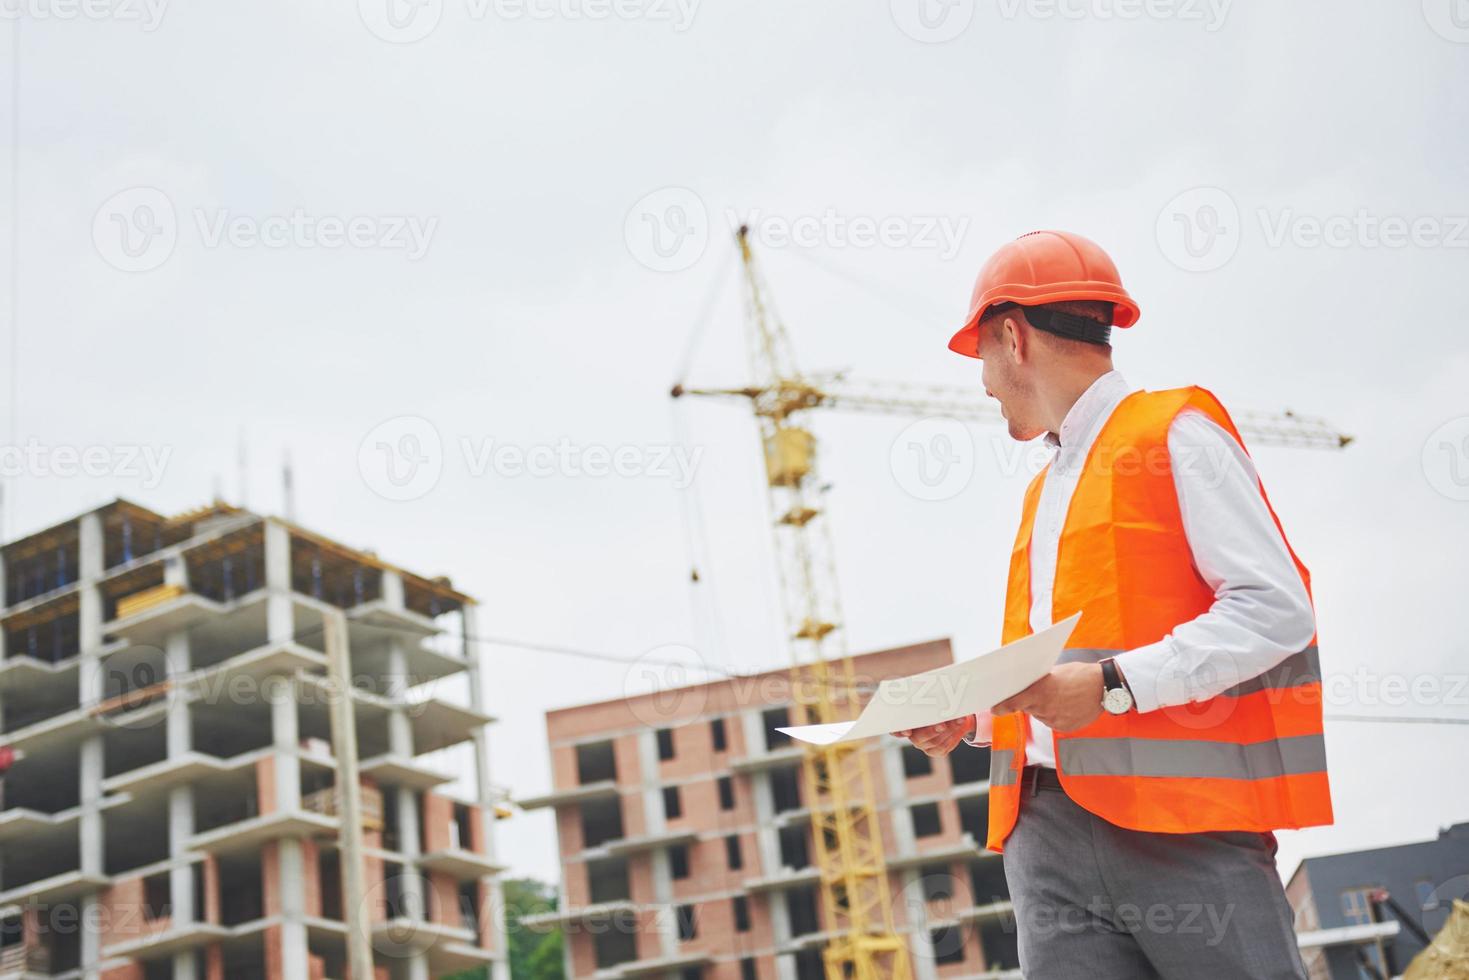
column 944, row 693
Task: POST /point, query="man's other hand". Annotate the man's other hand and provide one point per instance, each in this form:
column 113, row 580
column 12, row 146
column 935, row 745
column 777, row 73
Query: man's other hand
column 1068, row 698
column 940, row 739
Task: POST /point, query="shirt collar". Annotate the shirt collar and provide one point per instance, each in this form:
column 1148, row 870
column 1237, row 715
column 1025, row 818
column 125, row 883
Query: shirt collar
column 1089, row 411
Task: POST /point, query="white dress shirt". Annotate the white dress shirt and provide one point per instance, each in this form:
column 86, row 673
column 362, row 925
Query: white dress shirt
column 1261, row 612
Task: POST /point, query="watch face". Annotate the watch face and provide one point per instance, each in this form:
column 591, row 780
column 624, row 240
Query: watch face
column 1117, row 701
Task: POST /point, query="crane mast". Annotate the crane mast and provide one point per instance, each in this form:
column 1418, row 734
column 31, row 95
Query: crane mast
column 856, row 911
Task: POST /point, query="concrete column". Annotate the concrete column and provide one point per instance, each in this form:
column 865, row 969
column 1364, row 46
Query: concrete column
column 780, row 930
column 180, row 829
column 481, row 742
column 400, row 733
column 89, row 547
column 181, row 875
column 286, row 739
column 666, row 923
column 655, row 822
column 91, row 794
column 410, row 832
column 418, row 967
column 767, row 835
column 392, row 589
column 90, row 839
column 278, row 616
column 890, row 769
column 175, row 571
column 185, row 966
column 176, row 664
column 400, row 742
column 90, row 688
column 90, row 685
column 3, row 604
column 654, row 819
column 915, row 909
column 293, row 909
column 91, row 678
column 754, row 727
column 180, row 804
column 90, row 907
column 410, row 838
column 474, row 656
column 395, row 685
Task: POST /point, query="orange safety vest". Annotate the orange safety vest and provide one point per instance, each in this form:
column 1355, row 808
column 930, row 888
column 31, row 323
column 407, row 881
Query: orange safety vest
column 1252, row 758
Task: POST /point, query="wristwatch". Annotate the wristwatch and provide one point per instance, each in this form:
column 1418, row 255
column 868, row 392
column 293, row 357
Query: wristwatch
column 1116, row 698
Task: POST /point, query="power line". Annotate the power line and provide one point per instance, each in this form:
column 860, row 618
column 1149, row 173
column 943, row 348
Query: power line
column 598, row 655
column 506, row 641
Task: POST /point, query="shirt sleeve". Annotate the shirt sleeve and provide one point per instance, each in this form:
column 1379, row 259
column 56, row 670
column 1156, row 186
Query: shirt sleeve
column 984, row 730
column 1261, row 612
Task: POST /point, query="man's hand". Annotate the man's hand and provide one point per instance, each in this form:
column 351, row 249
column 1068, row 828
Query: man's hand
column 1068, row 698
column 940, row 739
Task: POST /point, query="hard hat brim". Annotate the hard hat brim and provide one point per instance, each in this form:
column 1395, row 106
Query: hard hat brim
column 1125, row 312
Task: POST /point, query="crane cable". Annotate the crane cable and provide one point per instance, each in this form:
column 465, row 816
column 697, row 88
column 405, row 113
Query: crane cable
column 897, row 299
column 706, row 315
column 704, row 607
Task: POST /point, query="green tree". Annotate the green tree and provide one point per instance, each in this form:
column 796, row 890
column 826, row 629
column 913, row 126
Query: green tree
column 535, row 954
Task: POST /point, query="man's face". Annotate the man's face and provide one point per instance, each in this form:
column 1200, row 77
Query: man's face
column 1006, row 375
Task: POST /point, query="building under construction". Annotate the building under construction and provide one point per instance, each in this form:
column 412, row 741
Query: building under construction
column 687, row 847
column 174, row 805
column 1369, row 913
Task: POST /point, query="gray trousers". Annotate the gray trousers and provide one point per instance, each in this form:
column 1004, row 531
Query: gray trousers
column 1093, row 900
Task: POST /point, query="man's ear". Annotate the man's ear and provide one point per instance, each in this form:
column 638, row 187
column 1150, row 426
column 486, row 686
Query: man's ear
column 1013, row 338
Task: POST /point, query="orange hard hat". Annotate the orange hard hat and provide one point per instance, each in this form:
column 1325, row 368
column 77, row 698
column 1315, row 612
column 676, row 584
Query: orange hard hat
column 1044, row 267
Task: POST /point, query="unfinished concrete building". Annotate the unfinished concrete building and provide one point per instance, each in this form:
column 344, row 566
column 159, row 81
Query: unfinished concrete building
column 172, row 807
column 686, row 849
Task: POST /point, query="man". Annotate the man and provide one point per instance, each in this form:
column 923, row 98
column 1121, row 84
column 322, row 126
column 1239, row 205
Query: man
column 1134, row 789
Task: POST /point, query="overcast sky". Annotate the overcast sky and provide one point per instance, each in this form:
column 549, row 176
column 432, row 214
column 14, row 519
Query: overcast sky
column 467, row 225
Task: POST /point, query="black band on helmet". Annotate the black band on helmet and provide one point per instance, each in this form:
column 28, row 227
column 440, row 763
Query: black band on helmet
column 1069, row 325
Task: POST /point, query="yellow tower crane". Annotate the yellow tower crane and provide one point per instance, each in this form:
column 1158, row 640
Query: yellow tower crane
column 863, row 941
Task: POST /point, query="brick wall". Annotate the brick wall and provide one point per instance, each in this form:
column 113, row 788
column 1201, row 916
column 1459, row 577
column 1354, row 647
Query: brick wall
column 124, row 917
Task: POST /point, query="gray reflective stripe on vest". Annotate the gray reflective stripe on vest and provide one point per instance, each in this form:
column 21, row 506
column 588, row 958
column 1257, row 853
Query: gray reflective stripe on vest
column 1001, row 771
column 1294, row 671
column 1188, row 757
